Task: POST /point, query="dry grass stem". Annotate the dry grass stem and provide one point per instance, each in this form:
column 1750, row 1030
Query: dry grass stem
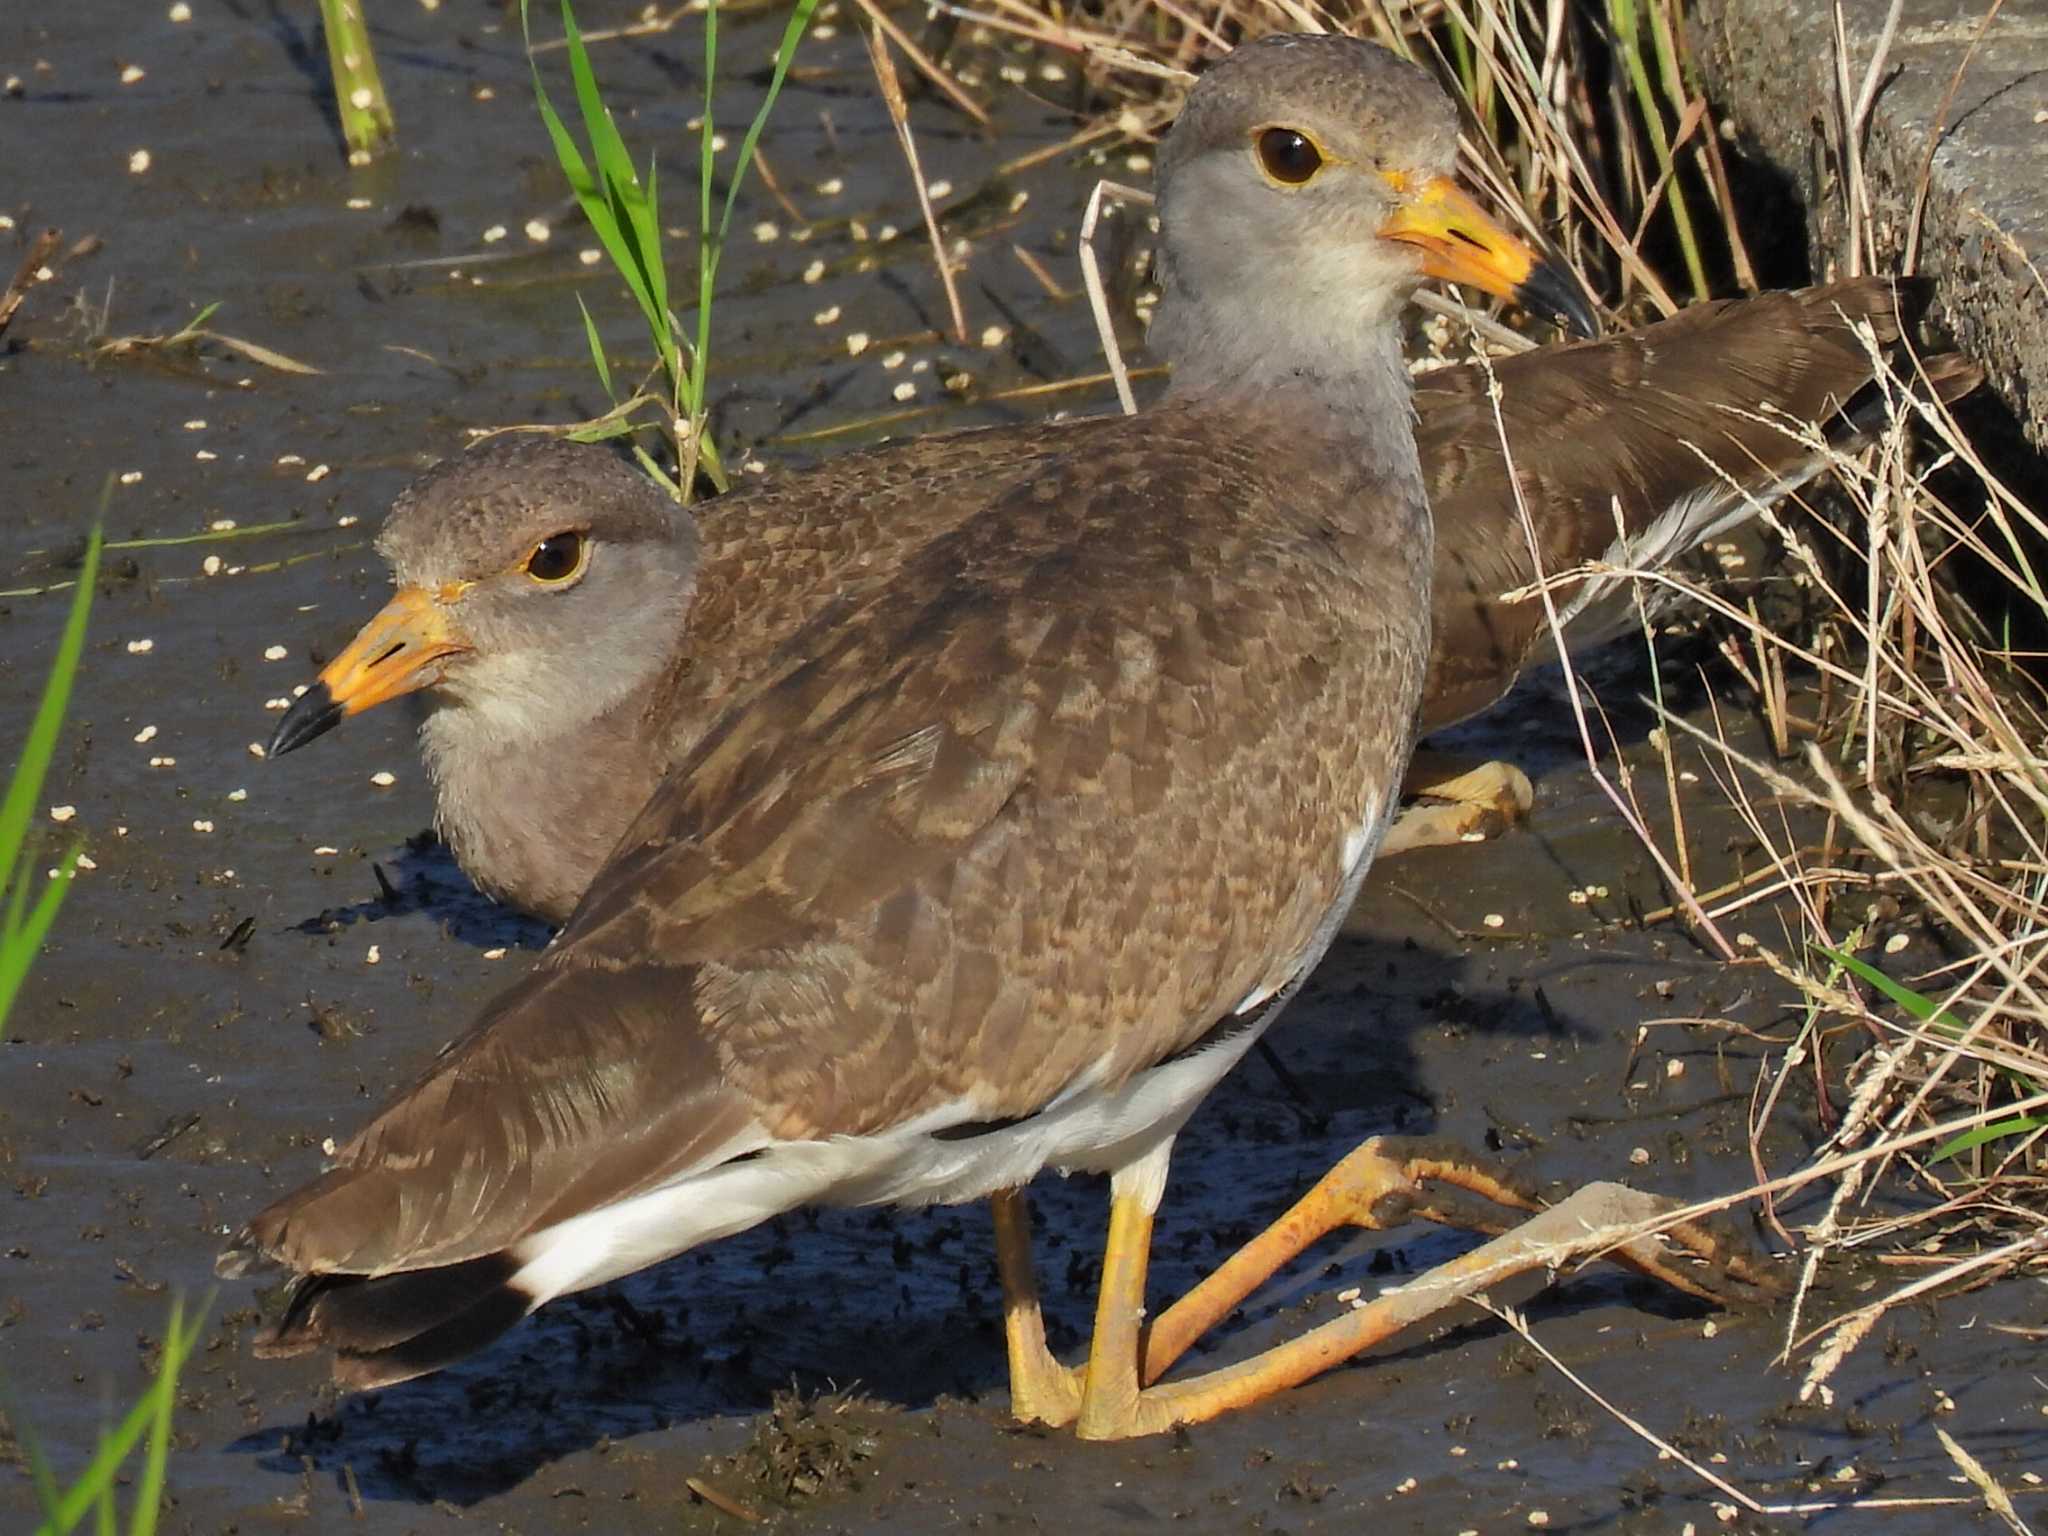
column 899, row 115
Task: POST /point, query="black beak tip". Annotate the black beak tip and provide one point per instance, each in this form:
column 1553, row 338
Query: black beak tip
column 313, row 713
column 1550, row 289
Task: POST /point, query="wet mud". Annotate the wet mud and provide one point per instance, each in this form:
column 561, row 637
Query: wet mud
column 263, row 950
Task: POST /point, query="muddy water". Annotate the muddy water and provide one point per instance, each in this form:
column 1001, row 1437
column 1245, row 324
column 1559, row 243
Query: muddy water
column 234, row 982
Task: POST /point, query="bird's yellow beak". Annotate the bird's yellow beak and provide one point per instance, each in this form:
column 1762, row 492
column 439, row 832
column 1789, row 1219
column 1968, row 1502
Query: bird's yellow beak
column 401, row 649
column 1461, row 244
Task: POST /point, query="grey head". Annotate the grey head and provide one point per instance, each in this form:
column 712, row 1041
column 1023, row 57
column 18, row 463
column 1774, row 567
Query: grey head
column 1304, row 192
column 541, row 583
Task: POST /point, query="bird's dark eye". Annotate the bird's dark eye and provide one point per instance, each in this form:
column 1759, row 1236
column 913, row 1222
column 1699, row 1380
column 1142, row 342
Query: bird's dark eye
column 556, row 558
column 1288, row 156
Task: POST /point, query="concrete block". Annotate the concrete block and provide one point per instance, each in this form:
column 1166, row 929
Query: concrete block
column 1984, row 235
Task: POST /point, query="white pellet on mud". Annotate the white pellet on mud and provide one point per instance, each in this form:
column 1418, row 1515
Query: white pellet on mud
column 238, row 794
column 275, row 653
column 373, row 956
column 202, row 825
column 62, row 813
column 141, row 647
column 383, row 778
column 147, row 733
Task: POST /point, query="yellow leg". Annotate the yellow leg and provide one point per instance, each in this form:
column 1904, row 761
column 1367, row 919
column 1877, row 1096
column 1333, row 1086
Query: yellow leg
column 1111, row 1404
column 1042, row 1391
column 1387, row 1180
column 1380, row 1184
column 1467, row 798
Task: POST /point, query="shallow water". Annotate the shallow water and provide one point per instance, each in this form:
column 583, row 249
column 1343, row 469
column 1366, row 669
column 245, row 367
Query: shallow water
column 222, row 994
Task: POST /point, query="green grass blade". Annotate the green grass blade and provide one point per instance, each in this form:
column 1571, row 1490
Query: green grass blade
column 1998, row 1130
column 649, row 231
column 632, row 211
column 77, row 1501
column 590, row 197
column 108, row 1521
column 149, row 1493
column 1921, row 1008
column 707, row 238
column 23, row 939
column 597, row 357
column 710, row 239
column 785, row 55
column 26, row 785
column 623, row 215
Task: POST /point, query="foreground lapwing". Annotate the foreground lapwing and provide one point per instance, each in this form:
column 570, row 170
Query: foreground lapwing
column 576, row 636
column 1004, row 865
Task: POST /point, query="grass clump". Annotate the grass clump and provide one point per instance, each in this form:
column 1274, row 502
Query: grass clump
column 28, row 908
column 624, row 212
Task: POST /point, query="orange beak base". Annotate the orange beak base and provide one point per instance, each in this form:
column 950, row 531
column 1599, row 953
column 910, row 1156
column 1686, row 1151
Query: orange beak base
column 397, row 652
column 1460, row 244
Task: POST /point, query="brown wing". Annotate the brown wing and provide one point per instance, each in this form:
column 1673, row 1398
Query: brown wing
column 1067, row 791
column 1629, row 417
column 773, row 558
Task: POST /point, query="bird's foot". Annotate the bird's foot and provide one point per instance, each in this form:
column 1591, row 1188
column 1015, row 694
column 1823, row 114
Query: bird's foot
column 1456, row 801
column 1383, row 1183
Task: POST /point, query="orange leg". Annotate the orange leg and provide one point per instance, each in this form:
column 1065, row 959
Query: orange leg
column 1042, row 1391
column 1383, row 1182
column 1369, row 1188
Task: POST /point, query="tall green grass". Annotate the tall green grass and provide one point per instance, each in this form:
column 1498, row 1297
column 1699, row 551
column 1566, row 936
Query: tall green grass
column 359, row 99
column 624, row 211
column 31, row 905
column 27, row 909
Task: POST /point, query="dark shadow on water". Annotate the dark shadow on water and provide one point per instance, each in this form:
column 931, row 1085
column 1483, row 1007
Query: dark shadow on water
column 422, row 878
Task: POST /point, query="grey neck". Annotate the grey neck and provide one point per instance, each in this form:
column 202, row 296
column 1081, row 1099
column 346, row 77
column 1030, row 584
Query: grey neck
column 1343, row 387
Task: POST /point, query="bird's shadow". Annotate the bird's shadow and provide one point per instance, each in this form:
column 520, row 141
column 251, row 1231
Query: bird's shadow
column 907, row 1302
column 420, row 877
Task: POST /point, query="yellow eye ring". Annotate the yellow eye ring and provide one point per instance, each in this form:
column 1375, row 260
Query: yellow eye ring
column 1287, row 155
column 558, row 558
